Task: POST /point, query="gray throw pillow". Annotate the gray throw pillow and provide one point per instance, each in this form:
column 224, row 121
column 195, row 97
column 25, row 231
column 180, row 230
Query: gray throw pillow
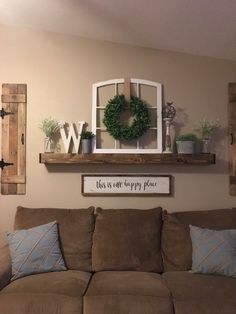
column 35, row 250
column 214, row 252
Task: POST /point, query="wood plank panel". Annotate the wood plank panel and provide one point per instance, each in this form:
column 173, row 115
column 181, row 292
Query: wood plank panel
column 13, row 179
column 5, row 139
column 14, row 98
column 21, row 161
column 127, row 159
column 11, row 154
column 13, row 138
column 232, row 138
column 13, row 134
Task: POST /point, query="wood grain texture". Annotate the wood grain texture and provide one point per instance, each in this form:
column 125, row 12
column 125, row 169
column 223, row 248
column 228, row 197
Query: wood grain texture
column 232, row 138
column 5, row 139
column 21, row 162
column 13, row 145
column 13, row 178
column 127, row 159
column 127, row 89
column 14, row 98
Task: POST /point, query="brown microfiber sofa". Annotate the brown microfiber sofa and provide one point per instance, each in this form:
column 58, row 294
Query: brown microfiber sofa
column 125, row 261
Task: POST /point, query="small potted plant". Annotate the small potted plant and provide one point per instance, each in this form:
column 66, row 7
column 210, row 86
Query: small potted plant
column 50, row 127
column 206, row 128
column 185, row 143
column 86, row 137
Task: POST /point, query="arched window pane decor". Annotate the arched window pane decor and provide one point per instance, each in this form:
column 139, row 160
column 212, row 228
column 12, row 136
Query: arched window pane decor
column 146, row 92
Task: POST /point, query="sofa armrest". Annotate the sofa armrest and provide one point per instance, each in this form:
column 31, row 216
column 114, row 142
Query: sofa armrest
column 5, row 266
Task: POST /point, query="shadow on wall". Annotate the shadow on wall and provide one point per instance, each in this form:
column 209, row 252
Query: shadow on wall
column 180, row 121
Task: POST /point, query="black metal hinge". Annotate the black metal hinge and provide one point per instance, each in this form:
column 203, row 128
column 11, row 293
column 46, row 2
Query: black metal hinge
column 5, row 164
column 3, row 113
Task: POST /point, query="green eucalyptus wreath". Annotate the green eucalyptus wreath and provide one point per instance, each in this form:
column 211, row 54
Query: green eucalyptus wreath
column 119, row 130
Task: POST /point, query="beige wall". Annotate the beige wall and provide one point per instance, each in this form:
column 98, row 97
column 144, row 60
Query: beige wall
column 59, row 71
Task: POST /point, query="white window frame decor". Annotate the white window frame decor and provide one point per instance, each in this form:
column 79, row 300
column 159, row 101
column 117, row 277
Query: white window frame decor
column 157, row 109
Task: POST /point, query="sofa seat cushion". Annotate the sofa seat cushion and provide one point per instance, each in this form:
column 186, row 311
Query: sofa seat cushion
column 55, row 292
column 127, row 292
column 127, row 239
column 75, row 228
column 200, row 293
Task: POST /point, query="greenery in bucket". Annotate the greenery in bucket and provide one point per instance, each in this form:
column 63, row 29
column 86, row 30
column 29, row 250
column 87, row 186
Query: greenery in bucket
column 50, row 127
column 86, row 135
column 187, row 137
column 207, row 127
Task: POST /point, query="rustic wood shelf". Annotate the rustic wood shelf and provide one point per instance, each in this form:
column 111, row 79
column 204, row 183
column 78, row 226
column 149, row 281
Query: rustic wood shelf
column 127, row 159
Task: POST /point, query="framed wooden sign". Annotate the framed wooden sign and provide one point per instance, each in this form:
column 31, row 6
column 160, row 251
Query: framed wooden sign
column 126, row 184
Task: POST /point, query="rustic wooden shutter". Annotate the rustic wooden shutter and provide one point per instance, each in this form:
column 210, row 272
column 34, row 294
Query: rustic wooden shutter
column 232, row 138
column 13, row 116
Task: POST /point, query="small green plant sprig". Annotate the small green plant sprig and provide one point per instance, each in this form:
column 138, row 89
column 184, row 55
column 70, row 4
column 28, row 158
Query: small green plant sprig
column 207, row 127
column 187, row 137
column 49, row 126
column 86, row 135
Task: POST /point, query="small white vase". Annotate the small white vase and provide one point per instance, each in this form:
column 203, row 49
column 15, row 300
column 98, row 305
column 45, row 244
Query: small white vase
column 49, row 145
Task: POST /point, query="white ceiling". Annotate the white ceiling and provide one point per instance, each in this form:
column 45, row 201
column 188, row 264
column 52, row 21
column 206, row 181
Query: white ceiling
column 202, row 27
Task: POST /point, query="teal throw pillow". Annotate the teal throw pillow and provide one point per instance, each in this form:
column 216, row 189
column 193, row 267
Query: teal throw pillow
column 214, row 252
column 35, row 250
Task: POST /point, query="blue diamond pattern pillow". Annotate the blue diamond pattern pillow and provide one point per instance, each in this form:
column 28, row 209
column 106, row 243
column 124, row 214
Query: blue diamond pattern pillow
column 35, row 250
column 214, row 252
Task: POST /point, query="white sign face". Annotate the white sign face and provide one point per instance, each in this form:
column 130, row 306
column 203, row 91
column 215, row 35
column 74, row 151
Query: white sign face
column 125, row 184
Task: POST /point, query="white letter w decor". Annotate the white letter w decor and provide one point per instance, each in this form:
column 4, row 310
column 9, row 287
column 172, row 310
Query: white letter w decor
column 72, row 136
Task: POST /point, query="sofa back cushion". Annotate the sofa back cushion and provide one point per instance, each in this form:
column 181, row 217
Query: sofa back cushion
column 75, row 228
column 127, row 239
column 176, row 240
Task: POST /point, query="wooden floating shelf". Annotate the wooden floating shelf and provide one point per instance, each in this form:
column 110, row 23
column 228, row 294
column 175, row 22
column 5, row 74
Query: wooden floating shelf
column 127, row 159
